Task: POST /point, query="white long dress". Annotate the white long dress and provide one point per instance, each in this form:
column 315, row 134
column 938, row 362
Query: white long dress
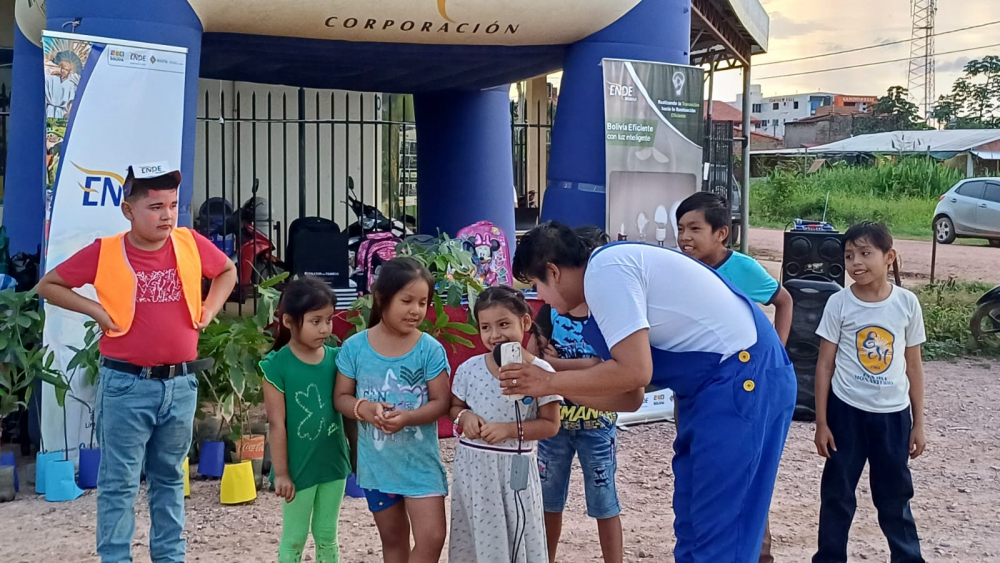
column 59, row 93
column 486, row 516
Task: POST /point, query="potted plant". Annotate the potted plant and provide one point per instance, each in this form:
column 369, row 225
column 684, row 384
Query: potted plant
column 23, row 358
column 234, row 384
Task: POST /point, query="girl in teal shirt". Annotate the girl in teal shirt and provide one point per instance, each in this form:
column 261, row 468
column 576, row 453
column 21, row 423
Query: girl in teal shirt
column 393, row 379
column 310, row 456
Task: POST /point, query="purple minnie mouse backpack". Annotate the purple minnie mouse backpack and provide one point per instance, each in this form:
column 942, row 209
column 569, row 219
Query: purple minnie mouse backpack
column 375, row 250
column 490, row 252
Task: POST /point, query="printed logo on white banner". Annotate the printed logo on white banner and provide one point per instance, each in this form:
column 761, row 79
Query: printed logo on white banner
column 623, row 91
column 146, row 59
column 101, row 188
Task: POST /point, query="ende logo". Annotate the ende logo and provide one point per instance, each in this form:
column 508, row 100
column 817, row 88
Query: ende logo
column 100, row 188
column 623, row 91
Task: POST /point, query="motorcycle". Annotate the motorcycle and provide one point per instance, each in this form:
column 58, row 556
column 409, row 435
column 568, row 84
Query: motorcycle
column 371, row 220
column 985, row 324
column 254, row 254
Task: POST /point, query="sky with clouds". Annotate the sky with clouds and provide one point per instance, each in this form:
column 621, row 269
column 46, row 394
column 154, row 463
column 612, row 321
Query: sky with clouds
column 806, row 27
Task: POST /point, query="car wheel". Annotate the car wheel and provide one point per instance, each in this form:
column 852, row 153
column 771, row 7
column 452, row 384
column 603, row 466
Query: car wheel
column 944, row 230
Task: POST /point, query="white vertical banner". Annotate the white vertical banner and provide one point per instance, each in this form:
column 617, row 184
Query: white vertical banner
column 653, row 151
column 108, row 104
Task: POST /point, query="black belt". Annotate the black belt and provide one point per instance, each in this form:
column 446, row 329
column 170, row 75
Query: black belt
column 159, row 372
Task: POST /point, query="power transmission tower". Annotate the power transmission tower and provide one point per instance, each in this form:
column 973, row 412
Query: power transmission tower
column 920, row 80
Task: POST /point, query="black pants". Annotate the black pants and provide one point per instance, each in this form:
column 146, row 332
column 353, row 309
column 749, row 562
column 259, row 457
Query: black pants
column 883, row 440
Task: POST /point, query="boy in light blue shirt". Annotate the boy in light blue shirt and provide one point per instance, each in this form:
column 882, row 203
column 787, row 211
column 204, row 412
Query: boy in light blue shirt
column 702, row 231
column 703, row 223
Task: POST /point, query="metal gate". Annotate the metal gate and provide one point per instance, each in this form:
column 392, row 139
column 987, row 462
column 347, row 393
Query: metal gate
column 720, row 164
column 532, row 138
column 305, row 147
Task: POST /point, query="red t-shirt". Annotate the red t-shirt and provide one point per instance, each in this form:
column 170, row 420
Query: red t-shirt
column 161, row 332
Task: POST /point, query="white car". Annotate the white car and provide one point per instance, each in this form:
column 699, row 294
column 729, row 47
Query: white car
column 970, row 209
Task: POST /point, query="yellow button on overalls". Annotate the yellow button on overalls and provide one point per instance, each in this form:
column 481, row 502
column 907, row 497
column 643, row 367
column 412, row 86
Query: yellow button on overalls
column 748, row 385
column 744, row 356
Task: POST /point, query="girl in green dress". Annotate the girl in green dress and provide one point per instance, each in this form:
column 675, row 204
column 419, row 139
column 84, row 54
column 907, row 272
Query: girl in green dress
column 310, row 456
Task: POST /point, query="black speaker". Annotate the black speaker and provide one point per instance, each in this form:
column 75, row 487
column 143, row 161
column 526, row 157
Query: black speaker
column 813, row 255
column 809, row 298
column 317, row 247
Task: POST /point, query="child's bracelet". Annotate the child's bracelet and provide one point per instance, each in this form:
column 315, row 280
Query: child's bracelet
column 458, row 419
column 357, row 409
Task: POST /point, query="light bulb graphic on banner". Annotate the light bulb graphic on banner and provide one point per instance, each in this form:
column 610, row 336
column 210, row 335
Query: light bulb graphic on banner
column 662, row 222
column 673, row 213
column 640, row 223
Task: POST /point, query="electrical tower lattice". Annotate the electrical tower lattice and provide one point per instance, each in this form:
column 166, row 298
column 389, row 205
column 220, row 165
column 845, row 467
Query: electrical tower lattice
column 920, row 81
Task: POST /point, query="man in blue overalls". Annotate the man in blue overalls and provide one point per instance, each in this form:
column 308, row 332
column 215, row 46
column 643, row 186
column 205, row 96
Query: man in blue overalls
column 662, row 319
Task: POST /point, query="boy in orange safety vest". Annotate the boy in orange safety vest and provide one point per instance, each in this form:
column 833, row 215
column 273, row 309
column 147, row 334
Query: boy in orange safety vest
column 149, row 306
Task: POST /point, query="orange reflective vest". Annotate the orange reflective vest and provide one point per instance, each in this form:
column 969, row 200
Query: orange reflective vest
column 116, row 282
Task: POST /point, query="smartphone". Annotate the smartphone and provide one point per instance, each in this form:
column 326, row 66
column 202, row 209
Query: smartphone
column 510, row 353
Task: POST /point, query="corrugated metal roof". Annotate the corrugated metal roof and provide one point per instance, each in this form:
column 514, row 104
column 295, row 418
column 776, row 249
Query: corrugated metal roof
column 952, row 140
column 987, row 155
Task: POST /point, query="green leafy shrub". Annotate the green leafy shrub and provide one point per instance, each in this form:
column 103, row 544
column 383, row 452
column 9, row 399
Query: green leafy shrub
column 23, row 358
column 948, row 309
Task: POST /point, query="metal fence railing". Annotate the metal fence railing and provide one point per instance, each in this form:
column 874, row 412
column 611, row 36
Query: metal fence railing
column 306, row 147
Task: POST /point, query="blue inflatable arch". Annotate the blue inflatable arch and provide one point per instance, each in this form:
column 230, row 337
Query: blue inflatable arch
column 458, row 57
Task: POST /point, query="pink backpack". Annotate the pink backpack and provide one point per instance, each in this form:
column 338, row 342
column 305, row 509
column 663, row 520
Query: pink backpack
column 375, row 250
column 490, row 252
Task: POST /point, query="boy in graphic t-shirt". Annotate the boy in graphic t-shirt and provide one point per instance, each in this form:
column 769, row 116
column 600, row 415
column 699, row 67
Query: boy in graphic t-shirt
column 149, row 306
column 869, row 357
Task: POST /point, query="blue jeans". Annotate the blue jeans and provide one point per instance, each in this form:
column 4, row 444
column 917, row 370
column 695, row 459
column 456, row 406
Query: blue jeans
column 142, row 419
column 597, row 449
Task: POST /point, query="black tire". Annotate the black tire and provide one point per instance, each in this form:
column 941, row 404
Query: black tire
column 995, row 242
column 734, row 235
column 944, row 230
column 985, row 323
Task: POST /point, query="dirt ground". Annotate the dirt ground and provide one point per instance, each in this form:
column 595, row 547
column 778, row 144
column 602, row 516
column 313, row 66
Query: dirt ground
column 956, row 504
column 962, row 261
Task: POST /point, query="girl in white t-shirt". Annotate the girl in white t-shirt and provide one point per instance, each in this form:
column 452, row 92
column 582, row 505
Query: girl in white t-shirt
column 490, row 521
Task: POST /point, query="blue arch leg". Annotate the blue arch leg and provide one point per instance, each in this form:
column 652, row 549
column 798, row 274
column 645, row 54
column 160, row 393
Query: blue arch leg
column 464, row 166
column 24, row 190
column 575, row 193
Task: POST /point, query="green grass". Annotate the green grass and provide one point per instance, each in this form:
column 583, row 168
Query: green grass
column 906, row 217
column 900, row 193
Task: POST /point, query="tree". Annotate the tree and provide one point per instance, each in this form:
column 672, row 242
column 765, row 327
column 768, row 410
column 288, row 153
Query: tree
column 893, row 112
column 974, row 102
